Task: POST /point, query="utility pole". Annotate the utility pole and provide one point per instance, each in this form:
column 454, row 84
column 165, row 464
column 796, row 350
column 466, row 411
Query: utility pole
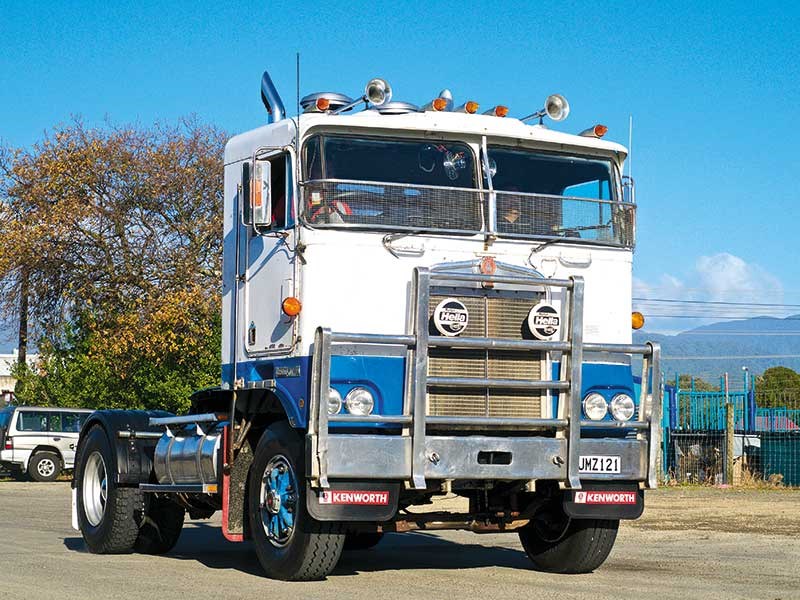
column 729, row 425
column 22, row 342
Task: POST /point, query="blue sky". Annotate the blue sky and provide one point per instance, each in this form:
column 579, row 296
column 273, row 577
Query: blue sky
column 713, row 89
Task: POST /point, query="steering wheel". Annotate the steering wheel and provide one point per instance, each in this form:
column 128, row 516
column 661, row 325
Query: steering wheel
column 336, row 206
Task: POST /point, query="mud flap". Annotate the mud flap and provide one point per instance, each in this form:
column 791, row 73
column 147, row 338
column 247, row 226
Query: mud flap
column 605, row 500
column 348, row 500
column 234, row 487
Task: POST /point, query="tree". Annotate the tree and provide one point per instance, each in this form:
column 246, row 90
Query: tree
column 700, row 385
column 118, row 234
column 778, row 387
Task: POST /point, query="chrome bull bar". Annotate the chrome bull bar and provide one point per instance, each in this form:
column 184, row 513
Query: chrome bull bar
column 567, row 424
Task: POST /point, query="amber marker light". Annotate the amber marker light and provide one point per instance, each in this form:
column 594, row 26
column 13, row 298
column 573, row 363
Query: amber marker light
column 600, row 130
column 471, row 107
column 497, row 111
column 439, row 104
column 323, row 104
column 637, row 320
column 291, row 306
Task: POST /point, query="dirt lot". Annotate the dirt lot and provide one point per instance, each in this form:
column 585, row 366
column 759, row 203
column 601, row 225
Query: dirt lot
column 691, row 543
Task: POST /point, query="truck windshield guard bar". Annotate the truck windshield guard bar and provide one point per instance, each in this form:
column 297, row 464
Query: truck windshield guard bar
column 566, row 424
column 375, row 205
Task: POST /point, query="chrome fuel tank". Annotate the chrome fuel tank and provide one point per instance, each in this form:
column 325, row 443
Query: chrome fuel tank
column 188, row 456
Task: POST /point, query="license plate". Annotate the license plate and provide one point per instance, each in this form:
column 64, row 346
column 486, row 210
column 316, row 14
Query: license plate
column 599, row 464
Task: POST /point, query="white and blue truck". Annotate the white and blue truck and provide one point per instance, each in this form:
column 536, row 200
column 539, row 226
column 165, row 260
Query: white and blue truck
column 416, row 301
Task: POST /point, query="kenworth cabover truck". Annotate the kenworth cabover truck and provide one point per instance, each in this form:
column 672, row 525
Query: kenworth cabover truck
column 416, row 302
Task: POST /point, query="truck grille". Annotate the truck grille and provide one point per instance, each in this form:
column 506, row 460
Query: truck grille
column 494, row 315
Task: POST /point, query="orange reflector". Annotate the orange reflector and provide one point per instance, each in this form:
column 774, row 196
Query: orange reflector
column 439, row 104
column 637, row 320
column 500, row 111
column 471, row 107
column 323, row 104
column 291, row 306
column 600, row 131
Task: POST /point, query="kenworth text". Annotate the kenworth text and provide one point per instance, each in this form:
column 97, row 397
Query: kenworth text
column 417, row 301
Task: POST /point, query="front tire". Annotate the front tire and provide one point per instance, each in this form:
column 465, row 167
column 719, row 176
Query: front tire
column 44, row 466
column 557, row 544
column 108, row 515
column 289, row 543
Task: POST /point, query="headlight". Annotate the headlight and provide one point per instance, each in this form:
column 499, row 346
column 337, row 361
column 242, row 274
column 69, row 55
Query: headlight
column 622, row 407
column 359, row 401
column 595, row 406
column 334, row 402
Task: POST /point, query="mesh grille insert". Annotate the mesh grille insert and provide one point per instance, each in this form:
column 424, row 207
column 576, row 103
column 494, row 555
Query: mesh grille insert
column 495, row 316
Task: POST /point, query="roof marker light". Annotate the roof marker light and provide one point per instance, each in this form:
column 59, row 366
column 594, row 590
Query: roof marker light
column 323, row 104
column 497, row 111
column 439, row 104
column 597, row 131
column 468, row 107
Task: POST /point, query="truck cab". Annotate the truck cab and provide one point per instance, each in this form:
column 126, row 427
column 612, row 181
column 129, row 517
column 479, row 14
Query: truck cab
column 416, row 301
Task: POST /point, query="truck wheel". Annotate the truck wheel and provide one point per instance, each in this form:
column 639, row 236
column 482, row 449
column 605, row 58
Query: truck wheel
column 161, row 527
column 362, row 540
column 290, row 545
column 568, row 546
column 108, row 515
column 44, row 466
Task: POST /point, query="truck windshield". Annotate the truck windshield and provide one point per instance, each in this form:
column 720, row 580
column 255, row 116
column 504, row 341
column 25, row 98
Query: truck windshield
column 391, row 183
column 548, row 195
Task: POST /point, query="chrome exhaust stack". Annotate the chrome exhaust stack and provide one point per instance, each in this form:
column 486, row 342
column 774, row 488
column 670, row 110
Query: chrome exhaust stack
column 272, row 99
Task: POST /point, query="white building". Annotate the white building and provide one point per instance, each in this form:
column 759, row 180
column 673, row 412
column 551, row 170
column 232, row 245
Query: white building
column 7, row 381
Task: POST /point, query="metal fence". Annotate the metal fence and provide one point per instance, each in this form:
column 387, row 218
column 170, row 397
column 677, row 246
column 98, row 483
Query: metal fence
column 763, row 436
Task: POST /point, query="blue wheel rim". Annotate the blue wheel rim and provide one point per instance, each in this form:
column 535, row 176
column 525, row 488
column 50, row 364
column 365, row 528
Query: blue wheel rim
column 278, row 500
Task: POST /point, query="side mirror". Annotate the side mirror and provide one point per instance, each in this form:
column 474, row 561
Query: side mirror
column 261, row 193
column 628, row 189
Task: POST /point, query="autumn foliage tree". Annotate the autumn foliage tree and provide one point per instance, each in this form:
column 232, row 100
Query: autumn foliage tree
column 116, row 234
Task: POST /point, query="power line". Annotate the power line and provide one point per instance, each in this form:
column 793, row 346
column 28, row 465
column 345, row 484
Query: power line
column 737, row 357
column 717, row 302
column 743, row 333
column 713, row 316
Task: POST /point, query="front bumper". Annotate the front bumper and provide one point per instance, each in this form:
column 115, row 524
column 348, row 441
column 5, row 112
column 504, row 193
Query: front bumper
column 540, row 448
column 465, row 457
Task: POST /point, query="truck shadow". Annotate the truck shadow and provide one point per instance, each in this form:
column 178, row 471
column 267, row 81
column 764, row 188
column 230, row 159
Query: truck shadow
column 203, row 543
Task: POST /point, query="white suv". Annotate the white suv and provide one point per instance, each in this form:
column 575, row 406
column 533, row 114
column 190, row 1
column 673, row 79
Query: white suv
column 40, row 440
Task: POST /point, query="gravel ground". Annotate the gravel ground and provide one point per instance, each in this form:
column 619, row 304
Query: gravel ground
column 690, row 543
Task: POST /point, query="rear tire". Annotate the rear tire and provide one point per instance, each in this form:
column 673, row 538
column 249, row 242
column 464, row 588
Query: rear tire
column 581, row 546
column 108, row 515
column 362, row 540
column 289, row 543
column 161, row 527
column 44, row 466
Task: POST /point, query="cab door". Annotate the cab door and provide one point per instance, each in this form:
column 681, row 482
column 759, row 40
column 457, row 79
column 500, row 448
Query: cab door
column 267, row 254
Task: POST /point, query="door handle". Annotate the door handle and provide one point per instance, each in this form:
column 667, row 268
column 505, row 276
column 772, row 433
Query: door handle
column 56, row 439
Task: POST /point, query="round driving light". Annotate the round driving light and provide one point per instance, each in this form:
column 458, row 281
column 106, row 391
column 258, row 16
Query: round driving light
column 595, row 406
column 359, row 401
column 622, row 407
column 334, row 402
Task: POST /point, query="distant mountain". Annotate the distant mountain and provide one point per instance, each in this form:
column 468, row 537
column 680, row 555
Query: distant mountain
column 711, row 350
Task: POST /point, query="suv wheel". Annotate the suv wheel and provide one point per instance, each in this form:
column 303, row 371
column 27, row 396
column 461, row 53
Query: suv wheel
column 44, row 466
